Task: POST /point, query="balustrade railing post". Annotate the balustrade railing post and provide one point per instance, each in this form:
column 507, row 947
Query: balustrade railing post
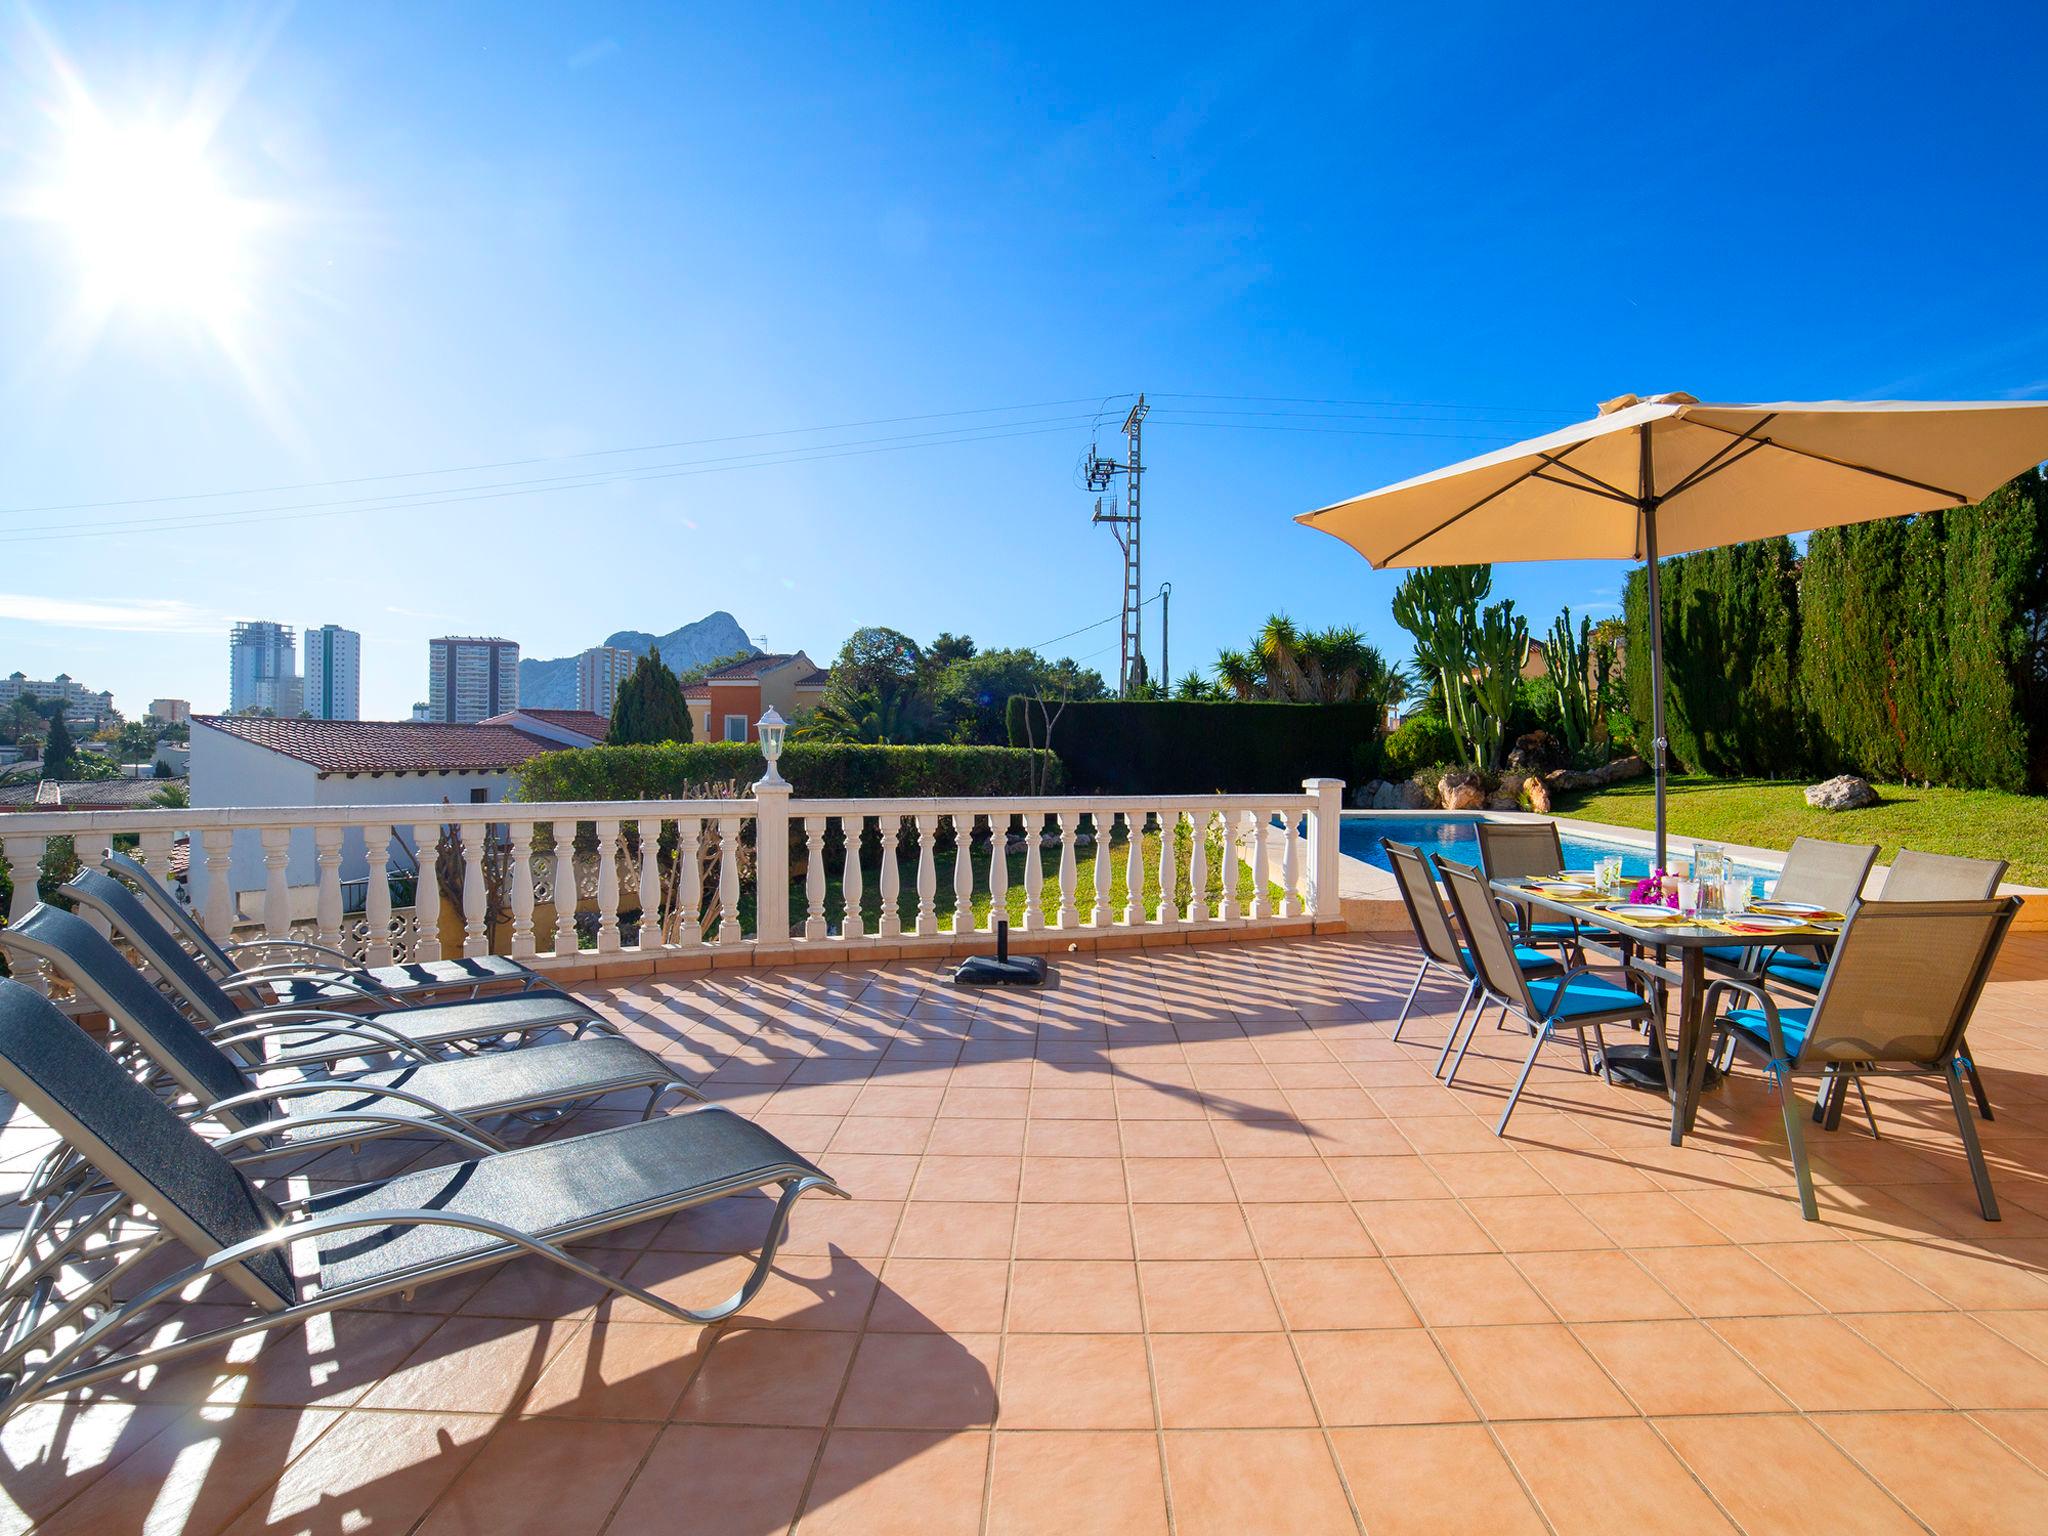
column 963, row 871
column 218, row 847
column 771, row 863
column 854, row 924
column 998, row 869
column 520, row 857
column 156, row 855
column 889, row 888
column 1198, row 868
column 1034, row 870
column 729, row 882
column 24, row 868
column 647, row 884
column 564, row 883
column 1290, row 867
column 1262, row 900
column 814, row 879
column 1169, row 869
column 1069, row 823
column 927, row 875
column 1134, row 868
column 277, row 896
column 1102, row 820
column 377, row 948
column 1326, row 860
column 475, row 896
column 689, row 908
column 1227, row 908
column 426, row 896
column 607, row 887
column 327, row 901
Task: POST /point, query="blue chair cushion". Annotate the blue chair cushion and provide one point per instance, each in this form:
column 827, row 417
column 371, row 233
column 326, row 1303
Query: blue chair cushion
column 1792, row 1024
column 1798, row 971
column 1585, row 997
column 1551, row 931
column 1525, row 957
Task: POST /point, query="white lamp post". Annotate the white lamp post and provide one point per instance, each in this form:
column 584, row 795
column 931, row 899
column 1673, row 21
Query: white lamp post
column 771, row 726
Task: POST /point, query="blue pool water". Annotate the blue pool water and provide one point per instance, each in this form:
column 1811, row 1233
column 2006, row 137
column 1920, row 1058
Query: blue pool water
column 1455, row 837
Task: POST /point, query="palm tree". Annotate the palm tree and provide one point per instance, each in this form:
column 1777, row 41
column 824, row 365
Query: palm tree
column 1240, row 673
column 1279, row 649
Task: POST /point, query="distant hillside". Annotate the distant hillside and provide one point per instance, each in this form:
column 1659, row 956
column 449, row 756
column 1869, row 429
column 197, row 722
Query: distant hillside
column 552, row 684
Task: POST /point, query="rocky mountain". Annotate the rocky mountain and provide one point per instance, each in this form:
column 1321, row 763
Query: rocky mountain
column 552, row 684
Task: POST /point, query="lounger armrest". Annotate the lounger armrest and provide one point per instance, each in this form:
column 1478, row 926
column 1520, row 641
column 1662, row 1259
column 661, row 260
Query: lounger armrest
column 269, row 1128
column 269, row 977
column 317, row 1086
column 380, row 1040
column 302, row 946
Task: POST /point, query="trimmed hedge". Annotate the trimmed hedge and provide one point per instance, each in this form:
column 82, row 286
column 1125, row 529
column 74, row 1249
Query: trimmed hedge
column 820, row 771
column 1129, row 746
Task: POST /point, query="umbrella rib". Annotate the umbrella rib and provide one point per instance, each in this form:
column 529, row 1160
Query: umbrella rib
column 1728, row 455
column 1527, row 474
column 1590, row 490
column 1862, row 469
column 1556, row 461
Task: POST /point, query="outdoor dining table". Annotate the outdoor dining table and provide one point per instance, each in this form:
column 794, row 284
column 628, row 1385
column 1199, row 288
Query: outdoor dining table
column 1651, row 947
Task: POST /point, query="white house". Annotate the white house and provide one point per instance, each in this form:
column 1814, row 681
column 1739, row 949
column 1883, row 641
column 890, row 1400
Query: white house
column 256, row 761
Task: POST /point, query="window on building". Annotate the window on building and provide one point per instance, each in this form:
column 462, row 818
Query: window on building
column 735, row 727
column 479, row 797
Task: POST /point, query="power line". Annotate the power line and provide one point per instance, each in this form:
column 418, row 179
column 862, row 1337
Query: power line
column 1056, row 639
column 1448, row 405
column 1259, row 426
column 564, row 458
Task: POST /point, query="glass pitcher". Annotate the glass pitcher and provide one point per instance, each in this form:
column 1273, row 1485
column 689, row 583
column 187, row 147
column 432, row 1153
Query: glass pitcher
column 1710, row 868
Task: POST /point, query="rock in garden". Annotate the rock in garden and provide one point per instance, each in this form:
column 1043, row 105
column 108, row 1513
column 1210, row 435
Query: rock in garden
column 1400, row 795
column 1363, row 796
column 1539, row 796
column 1462, row 790
column 1844, row 792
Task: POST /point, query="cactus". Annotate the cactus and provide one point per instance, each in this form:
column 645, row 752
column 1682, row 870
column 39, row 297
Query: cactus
column 1499, row 643
column 1572, row 676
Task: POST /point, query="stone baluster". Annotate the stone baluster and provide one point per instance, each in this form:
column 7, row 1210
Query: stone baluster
column 564, row 882
column 814, row 878
column 998, row 868
column 1069, row 823
column 426, row 905
column 963, row 871
column 24, row 867
column 927, row 875
column 521, row 871
column 1198, row 867
column 1134, row 868
column 729, row 881
column 377, row 946
column 327, row 900
column 647, row 883
column 155, row 854
column 1262, row 882
column 277, row 895
column 1102, row 819
column 1290, row 867
column 891, row 827
column 1169, row 869
column 607, row 887
column 689, row 912
column 852, row 925
column 1034, row 871
column 1226, row 909
column 217, row 845
column 476, row 915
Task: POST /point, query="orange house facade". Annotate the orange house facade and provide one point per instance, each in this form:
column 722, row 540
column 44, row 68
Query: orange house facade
column 728, row 704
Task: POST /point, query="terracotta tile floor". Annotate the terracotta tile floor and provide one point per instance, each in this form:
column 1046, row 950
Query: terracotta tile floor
column 1186, row 1244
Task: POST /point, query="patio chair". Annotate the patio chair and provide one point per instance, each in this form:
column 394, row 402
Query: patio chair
column 322, row 974
column 1510, row 850
column 1829, row 875
column 1898, row 994
column 322, row 1035
column 1441, row 951
column 312, row 1114
column 286, row 1262
column 1578, row 999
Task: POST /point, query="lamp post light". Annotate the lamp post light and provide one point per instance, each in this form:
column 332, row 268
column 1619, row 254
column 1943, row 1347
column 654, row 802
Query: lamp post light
column 772, row 726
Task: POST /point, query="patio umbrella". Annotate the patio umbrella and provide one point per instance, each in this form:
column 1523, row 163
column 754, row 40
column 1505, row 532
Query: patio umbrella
column 1662, row 476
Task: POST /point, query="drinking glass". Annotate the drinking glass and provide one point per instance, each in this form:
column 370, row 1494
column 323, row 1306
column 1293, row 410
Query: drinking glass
column 1735, row 895
column 1688, row 896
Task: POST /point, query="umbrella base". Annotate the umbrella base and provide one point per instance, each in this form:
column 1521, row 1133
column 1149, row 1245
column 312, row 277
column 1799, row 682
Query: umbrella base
column 1642, row 1066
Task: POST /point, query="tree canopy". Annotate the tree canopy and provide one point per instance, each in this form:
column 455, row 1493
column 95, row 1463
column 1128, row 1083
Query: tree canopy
column 650, row 706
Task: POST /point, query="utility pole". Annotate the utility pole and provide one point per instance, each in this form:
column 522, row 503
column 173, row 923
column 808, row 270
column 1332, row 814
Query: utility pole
column 1102, row 472
column 1165, row 655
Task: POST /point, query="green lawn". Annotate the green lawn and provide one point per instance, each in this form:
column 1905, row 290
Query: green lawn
column 1977, row 823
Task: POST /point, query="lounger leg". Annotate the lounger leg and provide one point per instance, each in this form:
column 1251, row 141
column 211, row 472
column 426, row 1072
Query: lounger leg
column 764, row 1262
column 1451, row 1039
column 1795, row 1141
column 1421, row 973
column 1507, row 1109
column 1987, row 1202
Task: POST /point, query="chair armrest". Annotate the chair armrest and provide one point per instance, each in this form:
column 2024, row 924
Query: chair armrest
column 1764, row 1001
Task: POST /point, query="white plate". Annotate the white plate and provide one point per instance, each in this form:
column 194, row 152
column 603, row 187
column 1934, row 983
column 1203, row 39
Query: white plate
column 1629, row 909
column 1768, row 919
column 1559, row 887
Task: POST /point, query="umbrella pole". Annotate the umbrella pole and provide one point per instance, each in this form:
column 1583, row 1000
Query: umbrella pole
column 1647, row 505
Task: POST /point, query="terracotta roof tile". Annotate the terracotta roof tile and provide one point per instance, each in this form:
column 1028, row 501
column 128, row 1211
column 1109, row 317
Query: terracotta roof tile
column 585, row 722
column 386, row 746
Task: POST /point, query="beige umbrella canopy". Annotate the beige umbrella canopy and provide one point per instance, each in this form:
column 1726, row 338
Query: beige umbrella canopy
column 1647, row 478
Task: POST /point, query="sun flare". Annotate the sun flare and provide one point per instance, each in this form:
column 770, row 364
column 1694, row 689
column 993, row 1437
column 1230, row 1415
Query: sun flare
column 152, row 225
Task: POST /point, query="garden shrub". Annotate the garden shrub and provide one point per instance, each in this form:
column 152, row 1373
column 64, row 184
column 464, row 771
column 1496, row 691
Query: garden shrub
column 1179, row 747
column 1418, row 742
column 819, row 770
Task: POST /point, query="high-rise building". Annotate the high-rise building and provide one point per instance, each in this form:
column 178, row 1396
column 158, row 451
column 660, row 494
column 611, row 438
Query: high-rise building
column 263, row 668
column 82, row 706
column 171, row 711
column 334, row 688
column 471, row 678
column 599, row 671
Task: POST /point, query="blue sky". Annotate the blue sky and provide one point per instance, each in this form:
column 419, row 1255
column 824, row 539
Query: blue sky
column 1338, row 246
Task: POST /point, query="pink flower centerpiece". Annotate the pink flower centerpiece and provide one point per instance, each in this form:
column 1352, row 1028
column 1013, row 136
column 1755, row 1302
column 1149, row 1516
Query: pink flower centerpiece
column 1653, row 891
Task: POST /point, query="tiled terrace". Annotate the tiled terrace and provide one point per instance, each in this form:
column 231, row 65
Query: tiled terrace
column 1185, row 1244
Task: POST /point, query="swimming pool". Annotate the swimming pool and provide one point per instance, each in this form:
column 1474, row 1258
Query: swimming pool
column 1455, row 837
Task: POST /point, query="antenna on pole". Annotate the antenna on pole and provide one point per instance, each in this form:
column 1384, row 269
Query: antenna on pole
column 1101, row 474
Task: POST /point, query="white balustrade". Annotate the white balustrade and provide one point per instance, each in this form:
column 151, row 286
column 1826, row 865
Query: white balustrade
column 24, row 867
column 285, row 866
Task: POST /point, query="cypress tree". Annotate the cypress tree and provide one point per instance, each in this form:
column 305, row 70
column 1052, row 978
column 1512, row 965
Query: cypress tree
column 650, row 706
column 60, row 756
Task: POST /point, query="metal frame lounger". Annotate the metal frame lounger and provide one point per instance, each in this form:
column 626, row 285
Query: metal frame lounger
column 1899, row 992
column 1441, row 951
column 1578, row 999
column 324, row 1034
column 335, row 1249
column 323, row 974
column 267, row 1120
